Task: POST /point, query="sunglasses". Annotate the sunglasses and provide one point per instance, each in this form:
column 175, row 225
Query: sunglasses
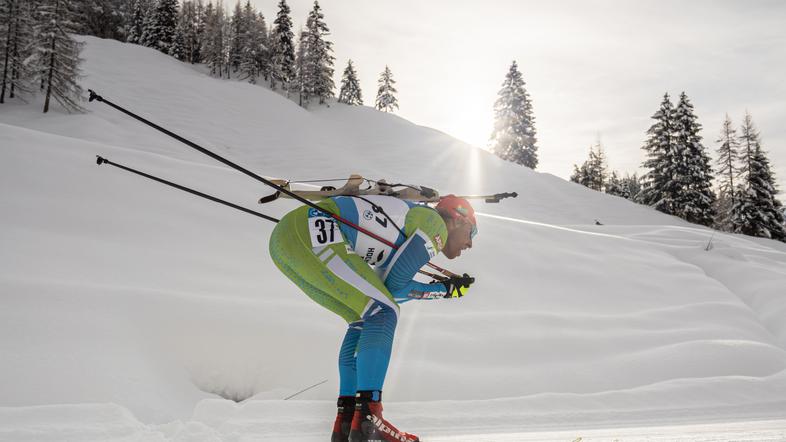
column 465, row 214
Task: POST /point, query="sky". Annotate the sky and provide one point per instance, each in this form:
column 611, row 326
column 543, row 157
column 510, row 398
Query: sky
column 595, row 70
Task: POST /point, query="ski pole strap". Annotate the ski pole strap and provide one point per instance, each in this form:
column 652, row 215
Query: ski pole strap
column 101, row 160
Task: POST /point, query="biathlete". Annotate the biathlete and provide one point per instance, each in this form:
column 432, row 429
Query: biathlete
column 363, row 280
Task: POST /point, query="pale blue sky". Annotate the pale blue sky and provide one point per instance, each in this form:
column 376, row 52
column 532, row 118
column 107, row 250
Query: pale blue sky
column 593, row 68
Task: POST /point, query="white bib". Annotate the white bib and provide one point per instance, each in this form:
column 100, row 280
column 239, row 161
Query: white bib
column 373, row 251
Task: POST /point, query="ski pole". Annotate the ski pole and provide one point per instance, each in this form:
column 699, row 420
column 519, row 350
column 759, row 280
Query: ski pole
column 101, row 160
column 95, row 96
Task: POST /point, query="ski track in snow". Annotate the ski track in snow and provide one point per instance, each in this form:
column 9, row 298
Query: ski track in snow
column 134, row 306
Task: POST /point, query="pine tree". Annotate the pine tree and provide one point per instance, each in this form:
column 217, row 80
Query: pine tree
column 350, row 87
column 631, row 186
column 614, row 186
column 660, row 189
column 514, row 136
column 138, row 21
column 299, row 81
column 161, row 34
column 386, row 99
column 254, row 58
column 318, row 59
column 56, row 54
column 104, row 18
column 16, row 34
column 283, row 49
column 756, row 211
column 694, row 200
column 593, row 172
column 240, row 32
column 212, row 51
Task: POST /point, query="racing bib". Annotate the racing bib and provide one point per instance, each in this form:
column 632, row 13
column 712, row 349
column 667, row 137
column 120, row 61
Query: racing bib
column 323, row 230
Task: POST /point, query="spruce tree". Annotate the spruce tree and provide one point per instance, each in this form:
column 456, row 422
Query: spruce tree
column 282, row 49
column 318, row 59
column 254, row 56
column 104, row 18
column 161, row 34
column 694, row 200
column 299, row 81
column 16, row 35
column 350, row 87
column 386, row 99
column 138, row 21
column 593, row 172
column 56, row 54
column 514, row 136
column 756, row 211
column 660, row 189
column 239, row 33
column 212, row 51
column 614, row 186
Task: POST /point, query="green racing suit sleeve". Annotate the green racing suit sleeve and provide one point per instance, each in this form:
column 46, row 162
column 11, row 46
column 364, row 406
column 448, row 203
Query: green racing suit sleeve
column 426, row 234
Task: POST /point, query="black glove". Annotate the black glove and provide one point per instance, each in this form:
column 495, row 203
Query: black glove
column 457, row 286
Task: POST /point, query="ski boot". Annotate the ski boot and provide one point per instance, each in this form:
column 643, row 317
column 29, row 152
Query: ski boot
column 346, row 410
column 368, row 425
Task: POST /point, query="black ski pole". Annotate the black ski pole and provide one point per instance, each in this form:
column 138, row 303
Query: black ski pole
column 101, row 160
column 95, row 96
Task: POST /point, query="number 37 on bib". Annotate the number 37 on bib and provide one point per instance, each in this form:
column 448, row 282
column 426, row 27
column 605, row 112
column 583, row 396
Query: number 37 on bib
column 323, row 230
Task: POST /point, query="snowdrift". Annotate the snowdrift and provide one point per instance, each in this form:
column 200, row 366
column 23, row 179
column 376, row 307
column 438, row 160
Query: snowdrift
column 121, row 299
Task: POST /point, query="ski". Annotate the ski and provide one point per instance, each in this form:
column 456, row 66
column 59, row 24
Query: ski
column 353, row 188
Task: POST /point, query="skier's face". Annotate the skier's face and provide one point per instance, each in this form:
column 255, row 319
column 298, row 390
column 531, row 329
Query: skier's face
column 459, row 237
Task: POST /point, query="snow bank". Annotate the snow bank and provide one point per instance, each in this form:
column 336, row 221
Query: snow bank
column 117, row 290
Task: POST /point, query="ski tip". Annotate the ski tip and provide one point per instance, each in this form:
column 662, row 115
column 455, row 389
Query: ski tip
column 100, row 160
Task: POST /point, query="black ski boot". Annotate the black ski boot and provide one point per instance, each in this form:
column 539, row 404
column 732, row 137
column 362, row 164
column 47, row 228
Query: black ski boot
column 368, row 425
column 346, row 410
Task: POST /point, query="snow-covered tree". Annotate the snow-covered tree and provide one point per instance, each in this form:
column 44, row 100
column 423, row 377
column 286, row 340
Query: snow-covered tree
column 728, row 170
column 593, row 172
column 163, row 21
column 514, row 136
column 631, row 186
column 694, row 200
column 748, row 144
column 16, row 34
column 614, row 185
column 138, row 21
column 299, row 80
column 756, row 211
column 105, row 18
column 254, row 60
column 386, row 93
column 213, row 49
column 318, row 59
column 659, row 187
column 56, row 55
column 282, row 46
column 350, row 87
column 239, row 33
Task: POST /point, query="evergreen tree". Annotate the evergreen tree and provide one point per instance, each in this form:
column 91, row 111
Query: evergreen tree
column 593, row 172
column 298, row 84
column 254, row 58
column 514, row 136
column 16, row 34
column 104, row 18
column 694, row 200
column 212, row 50
column 350, row 87
column 138, row 21
column 318, row 59
column 240, row 32
column 631, row 186
column 756, row 211
column 161, row 34
column 614, row 186
column 56, row 55
column 660, row 189
column 283, row 49
column 386, row 99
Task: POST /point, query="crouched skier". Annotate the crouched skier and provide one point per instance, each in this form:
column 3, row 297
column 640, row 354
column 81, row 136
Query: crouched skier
column 332, row 263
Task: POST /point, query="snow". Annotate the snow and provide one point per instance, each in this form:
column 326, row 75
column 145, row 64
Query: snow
column 127, row 308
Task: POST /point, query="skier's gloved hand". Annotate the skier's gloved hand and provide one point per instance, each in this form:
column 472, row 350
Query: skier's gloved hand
column 457, row 286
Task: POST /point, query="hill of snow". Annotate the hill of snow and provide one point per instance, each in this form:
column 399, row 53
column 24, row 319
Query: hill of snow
column 127, row 308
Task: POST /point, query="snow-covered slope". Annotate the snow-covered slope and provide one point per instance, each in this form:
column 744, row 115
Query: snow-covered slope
column 114, row 289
